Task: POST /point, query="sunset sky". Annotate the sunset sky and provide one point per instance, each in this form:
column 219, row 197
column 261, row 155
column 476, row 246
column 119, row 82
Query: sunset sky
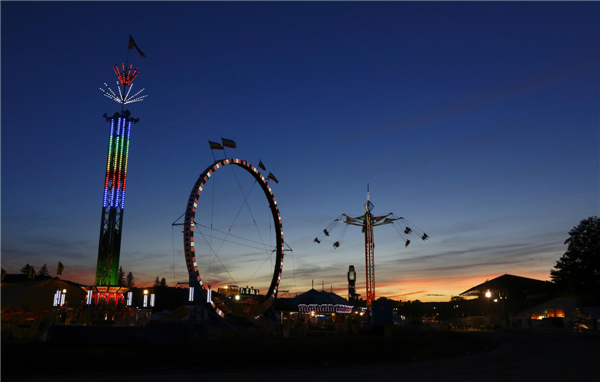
column 477, row 121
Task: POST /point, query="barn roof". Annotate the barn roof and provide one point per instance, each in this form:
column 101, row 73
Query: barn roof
column 509, row 282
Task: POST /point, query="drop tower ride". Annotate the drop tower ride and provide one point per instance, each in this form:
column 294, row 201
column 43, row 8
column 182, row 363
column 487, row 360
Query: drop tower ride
column 115, row 182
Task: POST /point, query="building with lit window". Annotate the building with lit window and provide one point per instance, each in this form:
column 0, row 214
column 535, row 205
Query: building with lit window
column 507, row 295
column 556, row 313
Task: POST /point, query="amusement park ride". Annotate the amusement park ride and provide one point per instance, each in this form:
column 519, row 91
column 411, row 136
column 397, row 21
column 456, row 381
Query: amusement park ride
column 352, row 295
column 367, row 222
column 107, row 295
column 253, row 304
column 106, row 290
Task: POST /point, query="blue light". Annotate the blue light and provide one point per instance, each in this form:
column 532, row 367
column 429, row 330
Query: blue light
column 123, row 200
column 119, row 127
column 112, row 199
column 105, row 196
column 118, row 195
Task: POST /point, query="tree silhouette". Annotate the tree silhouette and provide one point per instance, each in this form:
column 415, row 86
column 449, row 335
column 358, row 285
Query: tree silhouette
column 578, row 270
column 25, row 269
column 121, row 277
column 156, row 283
column 129, row 283
column 163, row 283
column 43, row 271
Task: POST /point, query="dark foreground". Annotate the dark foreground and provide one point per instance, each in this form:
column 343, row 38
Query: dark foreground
column 409, row 355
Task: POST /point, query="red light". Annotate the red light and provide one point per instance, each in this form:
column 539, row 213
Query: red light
column 126, row 77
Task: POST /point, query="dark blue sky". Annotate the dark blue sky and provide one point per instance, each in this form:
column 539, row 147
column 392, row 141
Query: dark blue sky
column 479, row 122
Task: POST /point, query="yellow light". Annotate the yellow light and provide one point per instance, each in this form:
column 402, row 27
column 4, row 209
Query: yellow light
column 225, row 286
column 64, row 291
column 237, row 296
column 488, row 294
column 145, row 291
column 312, row 313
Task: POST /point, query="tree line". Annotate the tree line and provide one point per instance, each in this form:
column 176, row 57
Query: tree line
column 122, row 279
column 577, row 272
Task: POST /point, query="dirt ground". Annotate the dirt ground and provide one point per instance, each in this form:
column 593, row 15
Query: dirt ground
column 510, row 356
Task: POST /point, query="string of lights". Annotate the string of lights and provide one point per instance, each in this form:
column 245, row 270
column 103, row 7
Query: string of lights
column 123, row 99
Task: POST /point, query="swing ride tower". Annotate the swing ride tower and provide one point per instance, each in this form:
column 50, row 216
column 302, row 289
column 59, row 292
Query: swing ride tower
column 368, row 221
column 115, row 183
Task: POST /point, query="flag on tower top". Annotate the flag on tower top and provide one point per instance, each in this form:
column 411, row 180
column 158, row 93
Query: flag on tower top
column 132, row 45
column 60, row 268
column 261, row 165
column 31, row 273
column 228, row 143
column 3, row 274
column 215, row 146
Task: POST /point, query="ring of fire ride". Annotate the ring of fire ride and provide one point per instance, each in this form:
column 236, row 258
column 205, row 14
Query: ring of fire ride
column 188, row 228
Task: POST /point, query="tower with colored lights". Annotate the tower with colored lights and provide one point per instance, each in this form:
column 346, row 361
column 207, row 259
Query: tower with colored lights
column 115, row 182
column 113, row 202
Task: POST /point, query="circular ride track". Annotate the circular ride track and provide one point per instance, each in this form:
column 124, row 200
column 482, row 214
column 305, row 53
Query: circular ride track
column 263, row 301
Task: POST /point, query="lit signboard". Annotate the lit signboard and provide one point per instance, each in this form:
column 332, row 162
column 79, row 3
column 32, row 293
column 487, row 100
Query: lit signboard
column 249, row 291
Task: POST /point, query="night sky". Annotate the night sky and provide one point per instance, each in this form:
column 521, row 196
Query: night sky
column 479, row 122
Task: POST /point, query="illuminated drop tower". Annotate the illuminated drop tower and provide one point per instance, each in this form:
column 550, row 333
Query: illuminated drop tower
column 113, row 203
column 115, row 184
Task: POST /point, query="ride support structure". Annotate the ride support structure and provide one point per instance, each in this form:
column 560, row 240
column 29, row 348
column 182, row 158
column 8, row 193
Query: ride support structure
column 369, row 251
column 368, row 221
